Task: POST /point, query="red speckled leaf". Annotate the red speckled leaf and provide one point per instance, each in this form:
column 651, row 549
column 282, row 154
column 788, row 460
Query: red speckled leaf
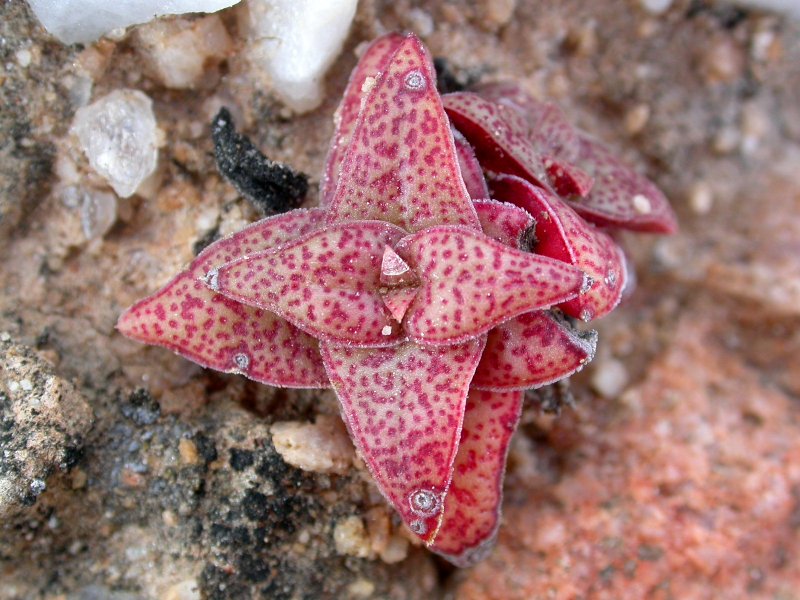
column 621, row 197
column 213, row 331
column 504, row 222
column 470, row 283
column 563, row 235
column 404, row 407
column 327, row 283
column 371, row 63
column 471, row 170
column 499, row 133
column 568, row 180
column 401, row 164
column 472, row 507
column 532, row 350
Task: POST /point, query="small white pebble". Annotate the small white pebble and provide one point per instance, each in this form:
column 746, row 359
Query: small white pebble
column 701, row 197
column 23, row 57
column 350, row 537
column 636, row 119
column 26, row 385
column 609, row 378
column 655, row 7
column 641, row 204
column 4, row 336
column 421, row 22
column 387, row 330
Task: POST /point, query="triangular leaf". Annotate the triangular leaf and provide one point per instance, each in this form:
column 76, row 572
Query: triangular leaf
column 401, row 164
column 532, row 350
column 369, row 66
column 470, row 283
column 473, row 504
column 326, row 283
column 404, row 407
column 188, row 318
column 563, row 235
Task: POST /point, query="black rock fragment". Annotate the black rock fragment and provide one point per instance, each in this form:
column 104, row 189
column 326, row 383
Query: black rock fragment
column 271, row 187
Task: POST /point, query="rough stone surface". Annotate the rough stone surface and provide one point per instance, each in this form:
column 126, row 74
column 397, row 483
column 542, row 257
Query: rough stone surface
column 681, row 480
column 43, row 424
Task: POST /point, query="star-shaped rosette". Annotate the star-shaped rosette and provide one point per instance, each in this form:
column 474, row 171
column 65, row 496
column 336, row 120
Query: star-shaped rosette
column 426, row 298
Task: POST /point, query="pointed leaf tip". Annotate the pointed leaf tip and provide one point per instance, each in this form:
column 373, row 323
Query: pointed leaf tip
column 473, row 503
column 401, row 163
column 187, row 317
column 562, row 234
column 404, row 406
column 326, row 283
column 621, row 197
column 369, row 67
column 532, row 350
column 470, row 283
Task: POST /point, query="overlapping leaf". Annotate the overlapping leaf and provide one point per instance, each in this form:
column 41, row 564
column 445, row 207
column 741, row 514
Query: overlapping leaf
column 327, row 283
column 472, row 506
column 188, row 318
column 532, row 350
column 404, row 407
column 471, row 283
column 563, row 235
column 401, row 165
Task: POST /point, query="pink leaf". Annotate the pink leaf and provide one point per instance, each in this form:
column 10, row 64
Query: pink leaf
column 621, row 197
column 327, row 283
column 401, row 164
column 568, row 180
column 470, row 167
column 473, row 504
column 499, row 133
column 371, row 63
column 532, row 350
column 398, row 301
column 504, row 222
column 563, row 235
column 404, row 407
column 188, row 318
column 470, row 283
column 395, row 272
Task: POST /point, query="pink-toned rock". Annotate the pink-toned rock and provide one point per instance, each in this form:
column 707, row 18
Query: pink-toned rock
column 685, row 486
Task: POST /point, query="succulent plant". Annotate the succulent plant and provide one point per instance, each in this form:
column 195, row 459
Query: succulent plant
column 439, row 279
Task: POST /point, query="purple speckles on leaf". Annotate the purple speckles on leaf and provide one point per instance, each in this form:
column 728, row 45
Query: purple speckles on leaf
column 431, row 288
column 404, row 406
column 563, row 235
column 401, row 163
column 471, row 283
column 532, row 350
column 472, row 507
column 327, row 283
column 189, row 318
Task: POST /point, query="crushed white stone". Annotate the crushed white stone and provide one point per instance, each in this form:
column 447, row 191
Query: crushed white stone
column 350, row 537
column 119, row 135
column 323, row 447
column 294, row 42
column 73, row 21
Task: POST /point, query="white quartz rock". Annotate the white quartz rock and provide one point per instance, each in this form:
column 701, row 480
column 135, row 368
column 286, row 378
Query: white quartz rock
column 295, row 41
column 84, row 21
column 790, row 8
column 119, row 135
